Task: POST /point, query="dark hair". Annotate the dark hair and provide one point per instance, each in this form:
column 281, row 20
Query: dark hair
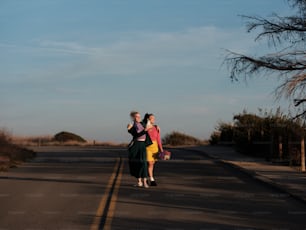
column 146, row 117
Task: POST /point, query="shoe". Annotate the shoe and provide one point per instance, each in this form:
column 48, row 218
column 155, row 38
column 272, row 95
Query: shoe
column 153, row 183
column 139, row 185
column 146, row 185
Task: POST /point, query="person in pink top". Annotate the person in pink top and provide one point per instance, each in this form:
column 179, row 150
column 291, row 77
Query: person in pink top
column 153, row 149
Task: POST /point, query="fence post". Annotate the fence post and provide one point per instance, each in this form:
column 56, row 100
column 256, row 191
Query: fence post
column 280, row 147
column 249, row 135
column 271, row 147
column 303, row 153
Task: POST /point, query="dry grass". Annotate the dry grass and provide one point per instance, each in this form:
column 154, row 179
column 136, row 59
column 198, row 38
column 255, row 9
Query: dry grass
column 48, row 140
column 11, row 154
column 31, row 140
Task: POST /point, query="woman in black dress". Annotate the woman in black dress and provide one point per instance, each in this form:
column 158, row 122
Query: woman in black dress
column 137, row 150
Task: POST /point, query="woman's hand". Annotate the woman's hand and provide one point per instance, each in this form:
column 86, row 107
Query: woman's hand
column 129, row 126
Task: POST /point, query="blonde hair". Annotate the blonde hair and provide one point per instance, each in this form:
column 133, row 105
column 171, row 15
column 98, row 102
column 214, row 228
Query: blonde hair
column 133, row 113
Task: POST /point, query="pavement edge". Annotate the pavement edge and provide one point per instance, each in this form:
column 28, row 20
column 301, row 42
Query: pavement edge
column 256, row 176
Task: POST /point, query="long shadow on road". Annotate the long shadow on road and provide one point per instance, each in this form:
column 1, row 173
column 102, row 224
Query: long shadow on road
column 194, row 192
column 62, row 190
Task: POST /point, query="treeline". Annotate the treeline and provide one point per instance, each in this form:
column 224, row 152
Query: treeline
column 273, row 136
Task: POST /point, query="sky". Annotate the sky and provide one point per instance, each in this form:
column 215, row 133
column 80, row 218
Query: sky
column 83, row 65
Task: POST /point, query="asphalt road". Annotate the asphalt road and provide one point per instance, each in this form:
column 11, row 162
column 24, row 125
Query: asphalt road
column 90, row 188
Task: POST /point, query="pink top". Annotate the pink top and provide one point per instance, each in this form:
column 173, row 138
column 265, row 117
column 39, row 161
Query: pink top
column 139, row 129
column 155, row 136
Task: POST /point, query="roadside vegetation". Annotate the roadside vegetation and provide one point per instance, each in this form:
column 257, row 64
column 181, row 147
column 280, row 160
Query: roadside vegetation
column 280, row 136
column 68, row 137
column 11, row 154
column 63, row 138
column 273, row 136
column 179, row 139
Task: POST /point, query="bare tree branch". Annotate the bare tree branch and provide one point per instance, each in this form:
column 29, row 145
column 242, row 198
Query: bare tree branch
column 288, row 63
column 303, row 114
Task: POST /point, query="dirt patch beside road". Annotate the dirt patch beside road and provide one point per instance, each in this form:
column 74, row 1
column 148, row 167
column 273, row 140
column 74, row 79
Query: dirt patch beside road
column 12, row 155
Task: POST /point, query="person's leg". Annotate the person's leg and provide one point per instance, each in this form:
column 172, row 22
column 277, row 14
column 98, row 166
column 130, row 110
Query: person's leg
column 150, row 169
column 151, row 173
column 152, row 150
column 139, row 182
column 145, row 183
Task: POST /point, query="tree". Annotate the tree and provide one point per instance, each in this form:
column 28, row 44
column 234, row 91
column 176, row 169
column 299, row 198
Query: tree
column 288, row 36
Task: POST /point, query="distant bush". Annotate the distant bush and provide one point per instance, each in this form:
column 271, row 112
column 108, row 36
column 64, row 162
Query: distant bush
column 177, row 138
column 214, row 138
column 68, row 137
column 4, row 137
column 223, row 134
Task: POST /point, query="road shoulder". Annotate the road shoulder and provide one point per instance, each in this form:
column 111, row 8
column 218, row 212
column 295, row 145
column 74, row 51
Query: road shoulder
column 284, row 178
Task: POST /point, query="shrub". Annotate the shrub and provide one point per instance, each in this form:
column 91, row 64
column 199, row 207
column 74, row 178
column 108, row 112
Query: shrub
column 214, row 138
column 13, row 153
column 262, row 135
column 177, row 138
column 68, row 137
column 4, row 137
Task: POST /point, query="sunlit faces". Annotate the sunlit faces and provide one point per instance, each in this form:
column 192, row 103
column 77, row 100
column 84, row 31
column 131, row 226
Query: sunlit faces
column 152, row 119
column 137, row 117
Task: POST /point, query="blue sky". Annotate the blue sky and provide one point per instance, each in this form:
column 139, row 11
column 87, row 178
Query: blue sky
column 82, row 66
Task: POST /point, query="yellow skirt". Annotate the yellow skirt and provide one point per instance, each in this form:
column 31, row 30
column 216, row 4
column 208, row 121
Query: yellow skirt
column 152, row 152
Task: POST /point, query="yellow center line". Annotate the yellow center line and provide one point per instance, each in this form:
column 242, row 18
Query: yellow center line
column 112, row 206
column 97, row 220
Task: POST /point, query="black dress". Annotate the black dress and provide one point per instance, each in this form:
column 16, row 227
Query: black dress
column 137, row 153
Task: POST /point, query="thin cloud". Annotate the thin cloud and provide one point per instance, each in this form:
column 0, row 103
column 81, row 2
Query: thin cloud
column 196, row 47
column 65, row 47
column 138, row 53
column 72, row 91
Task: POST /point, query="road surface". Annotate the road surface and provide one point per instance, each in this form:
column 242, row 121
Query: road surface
column 90, row 188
